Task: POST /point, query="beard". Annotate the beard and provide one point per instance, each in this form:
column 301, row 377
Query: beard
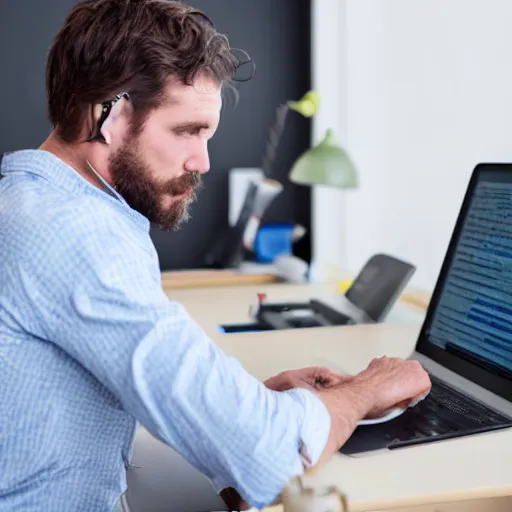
column 132, row 179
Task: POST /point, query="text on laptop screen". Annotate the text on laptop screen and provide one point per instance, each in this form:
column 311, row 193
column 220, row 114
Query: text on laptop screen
column 473, row 317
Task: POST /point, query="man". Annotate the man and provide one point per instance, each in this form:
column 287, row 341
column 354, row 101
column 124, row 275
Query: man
column 89, row 342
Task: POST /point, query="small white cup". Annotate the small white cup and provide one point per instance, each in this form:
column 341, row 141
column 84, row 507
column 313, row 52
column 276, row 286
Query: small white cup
column 296, row 498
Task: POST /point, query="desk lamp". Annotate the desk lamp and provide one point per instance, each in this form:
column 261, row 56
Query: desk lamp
column 326, row 163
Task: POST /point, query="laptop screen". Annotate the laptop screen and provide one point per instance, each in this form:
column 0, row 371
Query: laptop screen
column 468, row 327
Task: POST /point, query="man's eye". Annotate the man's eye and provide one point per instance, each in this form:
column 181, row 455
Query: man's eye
column 189, row 131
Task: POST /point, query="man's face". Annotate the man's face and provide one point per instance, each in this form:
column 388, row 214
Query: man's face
column 158, row 170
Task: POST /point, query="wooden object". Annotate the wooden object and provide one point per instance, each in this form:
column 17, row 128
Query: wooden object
column 207, row 278
column 182, row 279
column 417, row 298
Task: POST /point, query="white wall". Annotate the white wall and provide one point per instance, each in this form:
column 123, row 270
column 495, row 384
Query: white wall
column 427, row 86
column 329, row 79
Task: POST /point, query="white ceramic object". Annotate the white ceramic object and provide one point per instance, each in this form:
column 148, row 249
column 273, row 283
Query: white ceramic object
column 291, row 268
column 296, row 498
column 391, row 415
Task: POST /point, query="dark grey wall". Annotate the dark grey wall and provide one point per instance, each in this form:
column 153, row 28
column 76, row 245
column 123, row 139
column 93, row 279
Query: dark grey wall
column 275, row 33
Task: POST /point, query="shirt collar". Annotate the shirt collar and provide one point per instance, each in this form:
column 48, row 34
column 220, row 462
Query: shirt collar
column 51, row 168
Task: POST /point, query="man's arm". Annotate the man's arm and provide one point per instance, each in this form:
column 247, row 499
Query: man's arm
column 106, row 309
column 346, row 405
column 385, row 383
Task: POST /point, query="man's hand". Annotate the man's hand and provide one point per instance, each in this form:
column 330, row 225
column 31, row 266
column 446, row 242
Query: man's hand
column 393, row 383
column 384, row 384
column 314, row 379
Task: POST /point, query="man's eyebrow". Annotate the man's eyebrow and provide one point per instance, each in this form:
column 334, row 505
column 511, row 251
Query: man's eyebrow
column 190, row 126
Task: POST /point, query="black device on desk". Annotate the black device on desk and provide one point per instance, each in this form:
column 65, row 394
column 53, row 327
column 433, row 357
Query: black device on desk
column 368, row 300
column 466, row 339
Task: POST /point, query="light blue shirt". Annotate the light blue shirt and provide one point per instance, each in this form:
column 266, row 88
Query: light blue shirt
column 90, row 345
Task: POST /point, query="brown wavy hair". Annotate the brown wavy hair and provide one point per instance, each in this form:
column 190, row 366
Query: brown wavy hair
column 110, row 46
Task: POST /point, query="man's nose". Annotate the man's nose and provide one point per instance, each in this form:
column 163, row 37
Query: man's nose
column 200, row 161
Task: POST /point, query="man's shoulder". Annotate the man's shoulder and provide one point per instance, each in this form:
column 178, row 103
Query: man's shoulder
column 46, row 209
column 40, row 217
column 51, row 232
column 41, row 192
column 90, row 224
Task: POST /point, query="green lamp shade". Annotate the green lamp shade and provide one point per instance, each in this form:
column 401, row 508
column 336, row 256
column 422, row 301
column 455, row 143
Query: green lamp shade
column 325, row 164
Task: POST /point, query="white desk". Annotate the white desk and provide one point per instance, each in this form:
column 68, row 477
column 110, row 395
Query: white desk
column 467, row 468
column 231, row 304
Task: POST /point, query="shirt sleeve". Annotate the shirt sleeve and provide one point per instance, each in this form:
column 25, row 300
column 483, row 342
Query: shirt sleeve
column 108, row 311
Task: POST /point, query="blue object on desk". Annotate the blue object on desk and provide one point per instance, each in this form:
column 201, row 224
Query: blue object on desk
column 273, row 240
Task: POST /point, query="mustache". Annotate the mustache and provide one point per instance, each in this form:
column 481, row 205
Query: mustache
column 177, row 186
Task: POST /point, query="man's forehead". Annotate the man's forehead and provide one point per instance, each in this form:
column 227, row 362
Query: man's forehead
column 203, row 91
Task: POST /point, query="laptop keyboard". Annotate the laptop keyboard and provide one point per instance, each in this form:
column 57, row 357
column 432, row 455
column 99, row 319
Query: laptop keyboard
column 454, row 411
column 444, row 414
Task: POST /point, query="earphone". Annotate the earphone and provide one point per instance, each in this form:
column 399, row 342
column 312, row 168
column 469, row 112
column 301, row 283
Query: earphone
column 109, row 112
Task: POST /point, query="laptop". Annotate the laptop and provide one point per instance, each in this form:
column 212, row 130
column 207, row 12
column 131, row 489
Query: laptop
column 369, row 299
column 465, row 342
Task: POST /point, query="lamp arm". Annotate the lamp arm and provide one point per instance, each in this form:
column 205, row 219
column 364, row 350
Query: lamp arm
column 274, row 138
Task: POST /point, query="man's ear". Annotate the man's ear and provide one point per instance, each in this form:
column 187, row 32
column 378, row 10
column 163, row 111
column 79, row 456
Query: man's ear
column 106, row 115
column 113, row 115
